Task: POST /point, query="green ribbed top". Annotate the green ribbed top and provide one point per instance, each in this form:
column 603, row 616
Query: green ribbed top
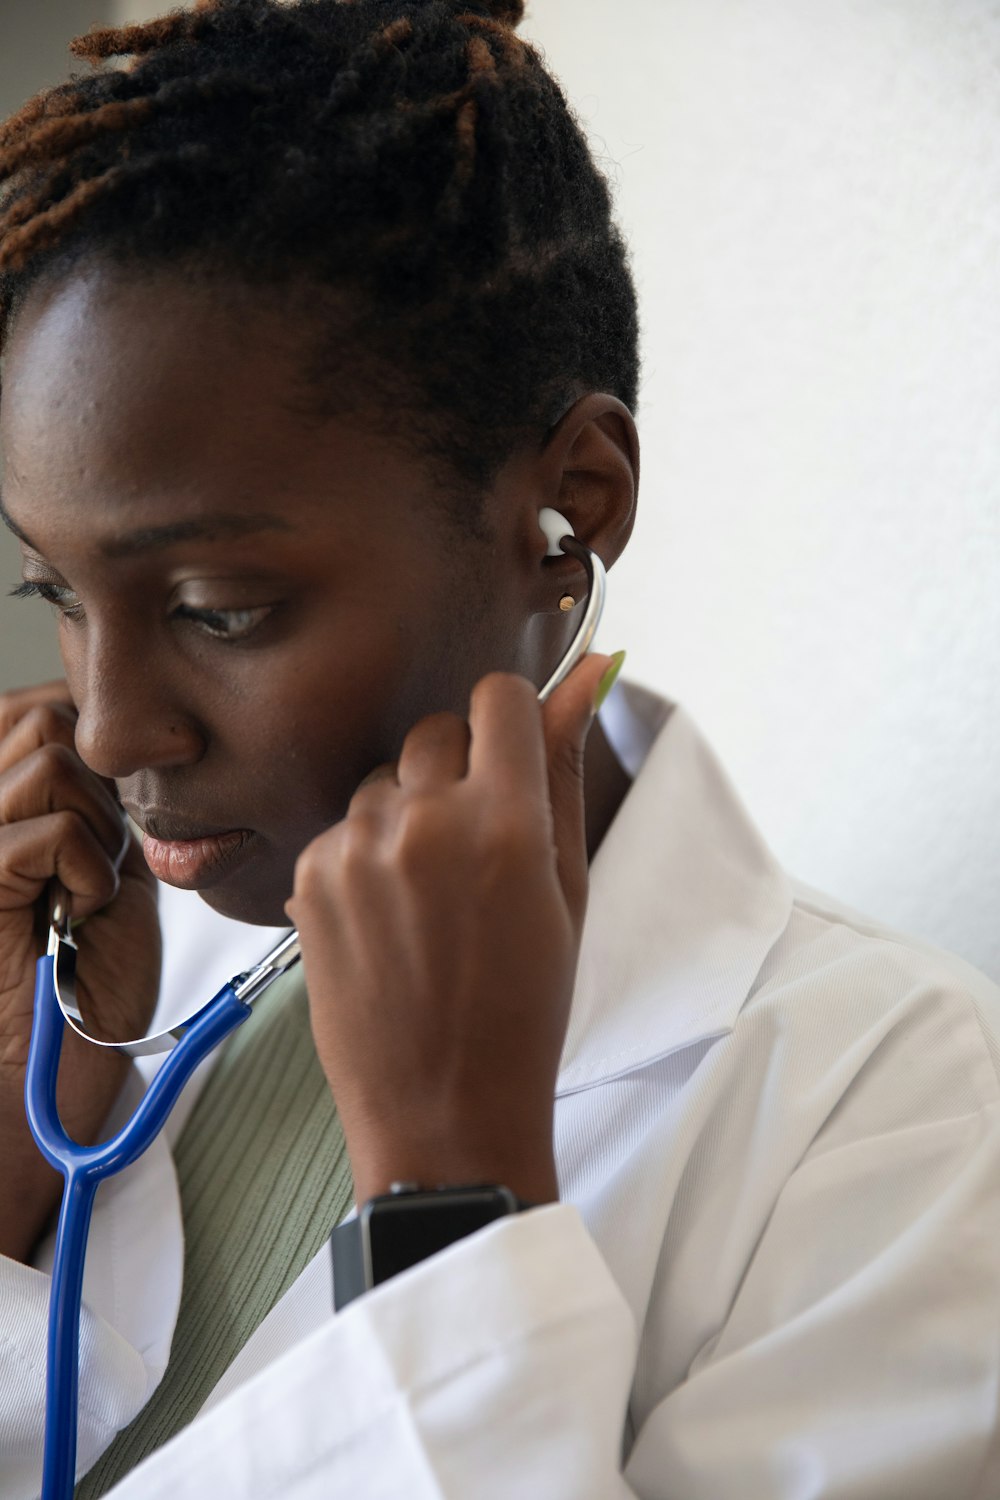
column 264, row 1177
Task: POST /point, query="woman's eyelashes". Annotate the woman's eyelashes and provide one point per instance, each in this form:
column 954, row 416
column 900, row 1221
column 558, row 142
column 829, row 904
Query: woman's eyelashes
column 61, row 598
column 224, row 624
column 221, row 624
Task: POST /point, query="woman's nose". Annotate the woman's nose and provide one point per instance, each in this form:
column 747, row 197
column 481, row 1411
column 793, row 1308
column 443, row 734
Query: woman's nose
column 131, row 716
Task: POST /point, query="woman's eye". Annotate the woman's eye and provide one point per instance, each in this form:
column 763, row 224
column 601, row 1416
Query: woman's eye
column 224, row 624
column 58, row 595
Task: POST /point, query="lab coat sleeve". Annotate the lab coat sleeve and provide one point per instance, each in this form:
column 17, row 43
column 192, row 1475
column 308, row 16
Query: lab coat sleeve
column 500, row 1367
column 114, row 1380
column 124, row 1334
column 861, row 1356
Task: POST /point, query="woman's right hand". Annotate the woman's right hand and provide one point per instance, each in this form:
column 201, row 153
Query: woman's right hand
column 59, row 820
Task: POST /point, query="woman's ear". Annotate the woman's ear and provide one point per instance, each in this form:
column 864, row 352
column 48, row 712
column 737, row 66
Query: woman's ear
column 588, row 471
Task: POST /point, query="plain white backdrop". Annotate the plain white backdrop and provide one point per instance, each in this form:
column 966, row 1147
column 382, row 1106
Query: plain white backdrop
column 812, row 192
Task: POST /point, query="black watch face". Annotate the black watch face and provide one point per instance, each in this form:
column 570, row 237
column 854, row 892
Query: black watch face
column 412, row 1227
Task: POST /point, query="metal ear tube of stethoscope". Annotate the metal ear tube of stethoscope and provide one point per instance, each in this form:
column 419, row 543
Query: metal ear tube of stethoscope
column 187, row 1044
column 62, row 950
column 597, row 587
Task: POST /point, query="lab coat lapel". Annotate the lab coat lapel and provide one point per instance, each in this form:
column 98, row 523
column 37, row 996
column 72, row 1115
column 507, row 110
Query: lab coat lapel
column 685, row 902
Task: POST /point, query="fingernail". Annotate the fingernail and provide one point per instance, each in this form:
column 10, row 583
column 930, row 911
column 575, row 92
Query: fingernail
column 607, row 682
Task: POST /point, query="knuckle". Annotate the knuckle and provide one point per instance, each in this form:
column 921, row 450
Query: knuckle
column 341, row 849
column 358, row 839
column 380, row 775
column 48, row 719
column 310, row 868
column 82, row 865
column 441, row 726
column 38, row 783
column 103, row 887
column 68, row 826
column 43, row 724
column 448, row 720
column 368, row 798
column 57, row 763
column 303, row 879
column 421, row 831
column 13, row 707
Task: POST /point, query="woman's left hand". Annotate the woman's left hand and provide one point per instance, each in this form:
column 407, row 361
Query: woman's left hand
column 440, row 924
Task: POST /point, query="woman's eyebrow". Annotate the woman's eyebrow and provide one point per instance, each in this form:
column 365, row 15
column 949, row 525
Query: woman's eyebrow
column 216, row 526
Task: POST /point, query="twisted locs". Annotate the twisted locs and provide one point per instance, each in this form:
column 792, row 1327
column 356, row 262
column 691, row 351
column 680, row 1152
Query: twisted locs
column 412, row 161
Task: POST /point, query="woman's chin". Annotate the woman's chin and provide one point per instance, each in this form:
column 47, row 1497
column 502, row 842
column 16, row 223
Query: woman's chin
column 246, row 903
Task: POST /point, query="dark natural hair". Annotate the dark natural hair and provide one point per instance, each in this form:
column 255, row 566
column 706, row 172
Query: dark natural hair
column 407, row 169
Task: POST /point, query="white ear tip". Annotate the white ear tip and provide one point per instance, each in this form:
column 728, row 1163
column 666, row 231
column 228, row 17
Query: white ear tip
column 555, row 528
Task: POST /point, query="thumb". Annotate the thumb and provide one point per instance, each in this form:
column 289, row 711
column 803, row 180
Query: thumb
column 566, row 721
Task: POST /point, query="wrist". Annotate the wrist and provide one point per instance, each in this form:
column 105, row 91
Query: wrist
column 533, row 1181
column 510, row 1146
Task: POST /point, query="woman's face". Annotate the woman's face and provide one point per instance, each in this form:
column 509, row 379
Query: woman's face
column 253, row 609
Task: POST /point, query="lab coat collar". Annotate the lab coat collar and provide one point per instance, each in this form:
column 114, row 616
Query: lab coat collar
column 686, row 900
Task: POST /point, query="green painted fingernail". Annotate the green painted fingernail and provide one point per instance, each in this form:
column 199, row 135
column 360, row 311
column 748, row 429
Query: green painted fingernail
column 607, row 682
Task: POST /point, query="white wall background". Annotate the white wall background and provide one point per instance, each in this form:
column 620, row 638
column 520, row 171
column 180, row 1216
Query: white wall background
column 812, row 190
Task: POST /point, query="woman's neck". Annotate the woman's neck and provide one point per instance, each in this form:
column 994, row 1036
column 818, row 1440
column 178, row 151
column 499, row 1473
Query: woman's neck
column 606, row 783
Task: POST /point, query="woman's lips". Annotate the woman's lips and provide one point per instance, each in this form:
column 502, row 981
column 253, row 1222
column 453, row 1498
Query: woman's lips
column 192, row 864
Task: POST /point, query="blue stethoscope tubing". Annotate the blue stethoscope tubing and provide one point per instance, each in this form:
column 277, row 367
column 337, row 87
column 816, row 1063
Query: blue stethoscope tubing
column 84, row 1168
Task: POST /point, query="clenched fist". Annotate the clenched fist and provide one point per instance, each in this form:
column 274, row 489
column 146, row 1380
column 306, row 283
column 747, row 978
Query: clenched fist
column 57, row 819
column 440, row 924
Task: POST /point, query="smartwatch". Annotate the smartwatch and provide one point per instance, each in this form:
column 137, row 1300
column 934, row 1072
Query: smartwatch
column 407, row 1224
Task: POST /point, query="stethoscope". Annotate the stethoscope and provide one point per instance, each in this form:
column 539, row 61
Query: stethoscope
column 84, row 1168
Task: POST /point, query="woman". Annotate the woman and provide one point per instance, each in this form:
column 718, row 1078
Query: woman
column 309, row 312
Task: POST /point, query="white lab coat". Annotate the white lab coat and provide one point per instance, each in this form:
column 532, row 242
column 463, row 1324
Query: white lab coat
column 775, row 1271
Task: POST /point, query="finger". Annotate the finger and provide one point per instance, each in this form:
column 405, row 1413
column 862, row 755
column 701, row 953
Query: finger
column 386, row 772
column 435, row 753
column 40, row 724
column 14, row 705
column 53, row 778
column 507, row 750
column 131, row 864
column 374, row 799
column 60, row 845
column 566, row 720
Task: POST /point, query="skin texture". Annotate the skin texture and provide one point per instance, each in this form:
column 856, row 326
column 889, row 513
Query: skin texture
column 221, row 678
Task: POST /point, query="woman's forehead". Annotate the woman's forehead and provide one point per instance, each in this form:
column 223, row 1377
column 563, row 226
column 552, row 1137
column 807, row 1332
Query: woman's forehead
column 139, row 394
column 103, row 337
